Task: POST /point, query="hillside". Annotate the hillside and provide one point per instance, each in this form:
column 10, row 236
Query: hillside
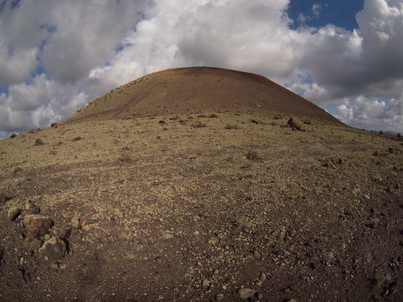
column 199, row 90
column 229, row 203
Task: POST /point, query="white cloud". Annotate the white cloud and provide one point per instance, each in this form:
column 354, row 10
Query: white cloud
column 373, row 113
column 70, row 38
column 317, row 9
column 38, row 104
column 367, row 60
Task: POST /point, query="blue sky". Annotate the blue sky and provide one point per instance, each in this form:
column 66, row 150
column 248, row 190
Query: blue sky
column 317, row 13
column 57, row 56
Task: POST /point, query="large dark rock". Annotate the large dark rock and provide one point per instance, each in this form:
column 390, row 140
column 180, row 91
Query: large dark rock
column 37, row 225
column 54, row 248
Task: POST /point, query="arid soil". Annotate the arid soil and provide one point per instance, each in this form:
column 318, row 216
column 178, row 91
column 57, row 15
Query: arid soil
column 202, row 207
column 182, row 91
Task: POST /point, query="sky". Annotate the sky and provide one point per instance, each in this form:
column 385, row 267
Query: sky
column 57, row 56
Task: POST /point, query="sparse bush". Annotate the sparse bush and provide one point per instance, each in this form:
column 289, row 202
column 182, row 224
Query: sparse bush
column 379, row 280
column 13, row 135
column 125, row 158
column 17, row 170
column 229, row 126
column 199, row 125
column 39, row 142
column 3, row 196
column 252, row 155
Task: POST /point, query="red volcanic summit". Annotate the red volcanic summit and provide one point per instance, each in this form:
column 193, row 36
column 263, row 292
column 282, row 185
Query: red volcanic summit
column 199, row 90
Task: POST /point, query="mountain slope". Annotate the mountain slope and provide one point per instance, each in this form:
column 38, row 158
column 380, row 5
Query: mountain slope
column 199, row 90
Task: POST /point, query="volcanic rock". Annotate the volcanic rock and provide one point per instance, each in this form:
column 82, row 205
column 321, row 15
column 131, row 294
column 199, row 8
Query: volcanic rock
column 13, row 213
column 37, row 225
column 54, row 248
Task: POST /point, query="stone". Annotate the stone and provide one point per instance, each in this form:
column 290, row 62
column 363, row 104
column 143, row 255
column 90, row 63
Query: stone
column 37, row 225
column 35, row 244
column 246, row 293
column 28, row 205
column 13, row 213
column 54, row 248
column 295, row 124
column 75, row 222
column 39, row 142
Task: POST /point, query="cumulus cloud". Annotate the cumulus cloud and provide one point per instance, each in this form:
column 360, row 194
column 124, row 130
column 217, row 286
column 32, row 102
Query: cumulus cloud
column 372, row 113
column 68, row 38
column 367, row 60
column 55, row 56
column 38, row 104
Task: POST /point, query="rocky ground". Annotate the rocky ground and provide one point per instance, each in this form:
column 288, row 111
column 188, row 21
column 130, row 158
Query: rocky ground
column 213, row 207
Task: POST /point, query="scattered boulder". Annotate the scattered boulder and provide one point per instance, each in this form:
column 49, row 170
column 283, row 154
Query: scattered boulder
column 37, row 225
column 54, row 248
column 295, row 124
column 13, row 213
column 39, row 142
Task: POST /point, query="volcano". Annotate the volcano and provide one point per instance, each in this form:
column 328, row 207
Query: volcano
column 199, row 90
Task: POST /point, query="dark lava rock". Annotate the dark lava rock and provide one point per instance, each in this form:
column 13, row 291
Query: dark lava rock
column 295, row 124
column 54, row 248
column 39, row 142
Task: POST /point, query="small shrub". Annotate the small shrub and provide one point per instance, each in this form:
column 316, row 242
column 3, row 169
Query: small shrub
column 39, row 142
column 379, row 280
column 199, row 125
column 13, row 135
column 229, row 126
column 252, row 155
column 125, row 158
column 3, row 197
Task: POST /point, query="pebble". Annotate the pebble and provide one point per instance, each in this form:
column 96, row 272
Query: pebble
column 75, row 222
column 246, row 293
column 13, row 213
